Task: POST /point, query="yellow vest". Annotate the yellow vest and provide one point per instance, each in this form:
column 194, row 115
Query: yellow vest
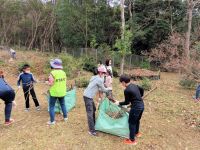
column 59, row 88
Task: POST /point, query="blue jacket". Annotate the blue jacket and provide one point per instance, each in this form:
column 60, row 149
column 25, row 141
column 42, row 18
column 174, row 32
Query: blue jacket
column 4, row 87
column 26, row 78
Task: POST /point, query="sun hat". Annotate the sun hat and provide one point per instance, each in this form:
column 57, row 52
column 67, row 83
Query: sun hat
column 56, row 63
column 102, row 69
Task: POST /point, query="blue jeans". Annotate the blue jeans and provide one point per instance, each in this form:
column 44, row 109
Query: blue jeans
column 197, row 92
column 8, row 97
column 52, row 103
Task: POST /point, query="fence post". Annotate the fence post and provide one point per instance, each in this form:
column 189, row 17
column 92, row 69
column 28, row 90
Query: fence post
column 96, row 56
column 130, row 62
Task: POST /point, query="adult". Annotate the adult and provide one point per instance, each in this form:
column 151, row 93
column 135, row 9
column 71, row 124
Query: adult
column 7, row 94
column 57, row 81
column 133, row 94
column 96, row 83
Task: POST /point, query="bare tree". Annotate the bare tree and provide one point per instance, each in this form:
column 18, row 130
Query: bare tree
column 122, row 32
column 190, row 6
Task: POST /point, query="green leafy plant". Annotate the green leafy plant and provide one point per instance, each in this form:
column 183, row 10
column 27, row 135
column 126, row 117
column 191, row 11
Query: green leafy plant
column 82, row 83
column 187, row 83
column 145, row 83
column 89, row 64
column 145, row 65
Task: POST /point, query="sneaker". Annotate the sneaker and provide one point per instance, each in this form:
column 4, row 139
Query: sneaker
column 51, row 123
column 138, row 135
column 38, row 108
column 7, row 123
column 130, row 142
column 65, row 119
column 27, row 109
column 92, row 133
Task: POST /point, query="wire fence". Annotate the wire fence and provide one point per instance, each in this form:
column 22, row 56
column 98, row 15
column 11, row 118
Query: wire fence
column 131, row 60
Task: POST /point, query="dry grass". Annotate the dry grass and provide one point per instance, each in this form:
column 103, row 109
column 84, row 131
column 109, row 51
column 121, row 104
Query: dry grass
column 164, row 124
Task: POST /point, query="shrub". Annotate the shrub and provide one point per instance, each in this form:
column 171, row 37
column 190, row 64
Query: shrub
column 145, row 83
column 1, row 62
column 82, row 83
column 115, row 72
column 89, row 64
column 145, row 64
column 187, row 83
column 70, row 64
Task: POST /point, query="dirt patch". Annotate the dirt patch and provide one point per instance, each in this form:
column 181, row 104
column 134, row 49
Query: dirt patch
column 141, row 73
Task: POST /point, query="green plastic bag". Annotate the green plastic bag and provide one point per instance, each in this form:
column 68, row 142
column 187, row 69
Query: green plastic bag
column 107, row 124
column 70, row 101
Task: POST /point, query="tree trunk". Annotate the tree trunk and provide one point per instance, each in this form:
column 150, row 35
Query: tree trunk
column 187, row 42
column 122, row 36
column 130, row 9
column 122, row 65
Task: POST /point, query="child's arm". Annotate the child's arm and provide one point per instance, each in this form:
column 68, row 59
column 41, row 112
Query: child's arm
column 33, row 78
column 19, row 80
column 51, row 80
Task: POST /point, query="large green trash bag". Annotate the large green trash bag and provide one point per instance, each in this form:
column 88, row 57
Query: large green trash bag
column 107, row 124
column 70, row 101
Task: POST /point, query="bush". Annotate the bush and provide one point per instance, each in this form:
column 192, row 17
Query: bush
column 1, row 62
column 89, row 64
column 187, row 83
column 82, row 83
column 145, row 83
column 145, row 64
column 71, row 65
column 115, row 72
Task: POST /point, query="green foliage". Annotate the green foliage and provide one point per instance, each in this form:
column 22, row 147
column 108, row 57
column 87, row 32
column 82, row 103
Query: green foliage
column 93, row 42
column 2, row 62
column 145, row 83
column 115, row 72
column 145, row 64
column 71, row 65
column 82, row 83
column 187, row 83
column 124, row 45
column 89, row 64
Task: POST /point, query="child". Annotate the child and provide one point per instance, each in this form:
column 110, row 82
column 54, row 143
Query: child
column 7, row 94
column 96, row 84
column 13, row 53
column 57, row 81
column 108, row 83
column 109, row 66
column 133, row 94
column 27, row 84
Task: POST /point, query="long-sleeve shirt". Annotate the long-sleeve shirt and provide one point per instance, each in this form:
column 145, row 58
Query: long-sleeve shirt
column 26, row 78
column 108, row 82
column 96, row 84
column 133, row 94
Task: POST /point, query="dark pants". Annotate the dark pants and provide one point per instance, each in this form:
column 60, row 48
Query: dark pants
column 30, row 89
column 52, row 103
column 90, row 109
column 8, row 97
column 134, row 122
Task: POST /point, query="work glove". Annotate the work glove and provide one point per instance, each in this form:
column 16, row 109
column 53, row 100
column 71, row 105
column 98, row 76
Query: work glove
column 14, row 103
column 19, row 87
column 116, row 103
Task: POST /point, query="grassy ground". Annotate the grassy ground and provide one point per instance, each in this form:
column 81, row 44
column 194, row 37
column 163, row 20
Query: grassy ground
column 170, row 121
